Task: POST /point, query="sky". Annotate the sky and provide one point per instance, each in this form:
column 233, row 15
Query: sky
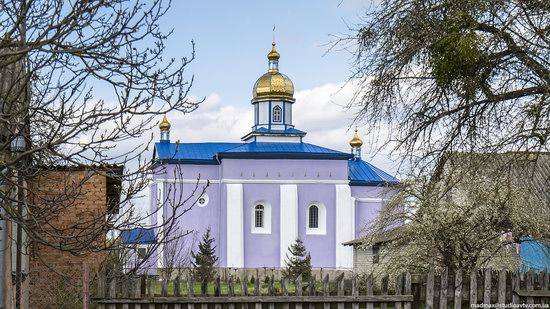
column 232, row 41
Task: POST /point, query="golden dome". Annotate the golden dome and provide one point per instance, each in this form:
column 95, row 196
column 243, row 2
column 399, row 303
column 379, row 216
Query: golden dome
column 164, row 125
column 273, row 85
column 356, row 142
column 273, row 54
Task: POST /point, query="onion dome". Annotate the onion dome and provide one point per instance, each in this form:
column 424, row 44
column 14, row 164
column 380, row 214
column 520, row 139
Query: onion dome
column 356, row 142
column 164, row 126
column 273, row 85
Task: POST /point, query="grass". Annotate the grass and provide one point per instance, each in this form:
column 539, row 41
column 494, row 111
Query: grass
column 157, row 286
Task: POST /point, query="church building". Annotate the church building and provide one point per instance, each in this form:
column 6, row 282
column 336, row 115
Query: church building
column 270, row 188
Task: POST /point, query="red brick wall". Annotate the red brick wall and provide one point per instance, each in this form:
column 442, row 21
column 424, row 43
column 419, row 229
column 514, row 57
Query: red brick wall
column 72, row 202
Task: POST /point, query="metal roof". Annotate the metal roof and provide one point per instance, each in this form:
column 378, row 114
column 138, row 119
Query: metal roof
column 270, row 131
column 138, row 236
column 191, row 152
column 283, row 150
column 362, row 173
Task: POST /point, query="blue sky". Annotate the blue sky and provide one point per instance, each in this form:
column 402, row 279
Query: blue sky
column 233, row 37
column 232, row 41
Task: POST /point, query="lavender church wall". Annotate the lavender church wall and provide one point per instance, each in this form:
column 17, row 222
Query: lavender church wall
column 321, row 247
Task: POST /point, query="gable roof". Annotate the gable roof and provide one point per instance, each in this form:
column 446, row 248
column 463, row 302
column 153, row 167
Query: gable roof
column 283, row 150
column 362, row 173
column 528, row 170
column 206, row 153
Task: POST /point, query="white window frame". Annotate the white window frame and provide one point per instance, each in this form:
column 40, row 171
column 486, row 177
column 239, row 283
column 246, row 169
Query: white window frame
column 280, row 110
column 266, row 229
column 322, row 218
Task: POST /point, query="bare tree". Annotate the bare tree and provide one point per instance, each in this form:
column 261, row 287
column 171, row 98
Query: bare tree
column 78, row 80
column 177, row 253
column 471, row 214
column 453, row 75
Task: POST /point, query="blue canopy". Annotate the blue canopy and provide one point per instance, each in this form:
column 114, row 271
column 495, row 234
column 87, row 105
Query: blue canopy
column 138, row 236
column 534, row 254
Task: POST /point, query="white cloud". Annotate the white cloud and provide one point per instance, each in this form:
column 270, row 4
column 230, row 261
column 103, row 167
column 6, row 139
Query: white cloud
column 320, row 111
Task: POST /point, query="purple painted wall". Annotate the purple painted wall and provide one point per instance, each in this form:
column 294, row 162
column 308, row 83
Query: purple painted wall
column 321, row 247
column 261, row 249
column 261, row 181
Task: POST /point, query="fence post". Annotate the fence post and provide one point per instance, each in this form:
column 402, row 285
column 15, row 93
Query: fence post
column 244, row 289
column 458, row 289
column 515, row 286
column 85, row 286
column 217, row 291
column 385, row 281
column 340, row 288
column 101, row 278
column 271, row 290
column 311, row 289
column 354, row 291
column 502, row 286
column 487, row 286
column 444, row 289
column 326, row 290
column 430, row 290
column 137, row 291
column 151, row 292
column 299, row 291
column 125, row 293
column 112, row 292
column 544, row 285
column 529, row 284
column 398, row 289
column 284, row 286
column 230, row 290
column 473, row 287
column 408, row 290
column 190, row 292
column 369, row 291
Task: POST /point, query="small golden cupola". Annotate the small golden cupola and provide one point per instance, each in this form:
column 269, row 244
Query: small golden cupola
column 164, row 127
column 356, row 144
column 273, row 85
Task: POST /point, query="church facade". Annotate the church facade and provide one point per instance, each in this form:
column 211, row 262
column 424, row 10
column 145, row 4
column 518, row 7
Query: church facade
column 271, row 188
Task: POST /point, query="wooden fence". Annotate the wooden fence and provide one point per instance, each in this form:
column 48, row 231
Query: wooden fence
column 431, row 290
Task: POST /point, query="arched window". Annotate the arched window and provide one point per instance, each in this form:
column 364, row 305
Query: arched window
column 259, row 216
column 277, row 113
column 313, row 217
column 316, row 219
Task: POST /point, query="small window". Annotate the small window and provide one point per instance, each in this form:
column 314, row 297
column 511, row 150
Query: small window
column 375, row 254
column 202, row 201
column 259, row 216
column 277, row 112
column 141, row 253
column 313, row 217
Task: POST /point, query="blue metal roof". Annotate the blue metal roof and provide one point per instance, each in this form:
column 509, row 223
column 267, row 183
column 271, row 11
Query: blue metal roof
column 534, row 254
column 191, row 152
column 287, row 131
column 283, row 150
column 138, row 236
column 362, row 173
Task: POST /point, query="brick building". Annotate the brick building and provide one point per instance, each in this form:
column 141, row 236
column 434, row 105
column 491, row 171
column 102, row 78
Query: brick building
column 76, row 203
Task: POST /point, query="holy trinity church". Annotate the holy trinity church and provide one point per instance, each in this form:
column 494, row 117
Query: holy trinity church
column 270, row 188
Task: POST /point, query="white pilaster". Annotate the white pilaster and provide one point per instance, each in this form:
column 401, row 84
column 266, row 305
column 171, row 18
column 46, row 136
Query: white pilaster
column 235, row 226
column 289, row 219
column 161, row 200
column 345, row 226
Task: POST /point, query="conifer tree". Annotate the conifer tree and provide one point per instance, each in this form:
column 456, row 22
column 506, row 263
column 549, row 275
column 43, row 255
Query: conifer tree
column 205, row 259
column 298, row 262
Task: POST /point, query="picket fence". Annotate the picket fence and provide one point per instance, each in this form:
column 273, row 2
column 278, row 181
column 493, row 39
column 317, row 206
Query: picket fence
column 432, row 290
